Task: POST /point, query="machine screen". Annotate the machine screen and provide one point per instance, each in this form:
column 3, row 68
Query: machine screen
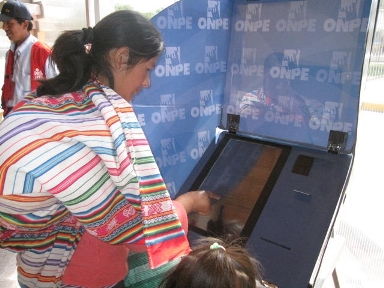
column 243, row 172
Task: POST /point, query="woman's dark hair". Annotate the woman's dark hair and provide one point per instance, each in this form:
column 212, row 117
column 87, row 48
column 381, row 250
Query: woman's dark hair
column 123, row 28
column 205, row 267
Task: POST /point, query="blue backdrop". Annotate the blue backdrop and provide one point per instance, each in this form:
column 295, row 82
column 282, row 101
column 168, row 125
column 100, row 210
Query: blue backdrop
column 290, row 69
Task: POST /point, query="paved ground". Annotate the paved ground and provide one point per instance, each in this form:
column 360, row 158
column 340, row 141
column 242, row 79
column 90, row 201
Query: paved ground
column 360, row 219
column 359, row 225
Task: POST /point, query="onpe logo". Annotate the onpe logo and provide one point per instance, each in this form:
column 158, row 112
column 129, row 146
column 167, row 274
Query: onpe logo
column 253, row 12
column 211, row 54
column 291, row 58
column 341, row 60
column 203, row 141
column 349, row 9
column 298, row 10
column 168, row 147
column 206, row 98
column 175, row 11
column 213, row 9
column 172, row 56
column 248, row 56
column 167, row 101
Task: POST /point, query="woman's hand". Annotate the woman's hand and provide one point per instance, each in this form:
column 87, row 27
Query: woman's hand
column 197, row 201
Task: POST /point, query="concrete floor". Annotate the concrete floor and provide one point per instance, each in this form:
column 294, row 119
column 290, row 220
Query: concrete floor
column 360, row 257
column 8, row 277
column 362, row 262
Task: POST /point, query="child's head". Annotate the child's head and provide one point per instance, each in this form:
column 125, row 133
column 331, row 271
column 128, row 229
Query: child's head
column 215, row 263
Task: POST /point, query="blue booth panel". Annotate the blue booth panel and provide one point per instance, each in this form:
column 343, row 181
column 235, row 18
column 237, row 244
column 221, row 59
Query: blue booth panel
column 289, row 74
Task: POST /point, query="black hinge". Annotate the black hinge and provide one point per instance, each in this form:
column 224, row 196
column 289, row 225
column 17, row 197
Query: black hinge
column 337, row 141
column 233, row 122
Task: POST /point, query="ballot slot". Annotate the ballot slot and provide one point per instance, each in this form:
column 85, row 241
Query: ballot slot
column 243, row 171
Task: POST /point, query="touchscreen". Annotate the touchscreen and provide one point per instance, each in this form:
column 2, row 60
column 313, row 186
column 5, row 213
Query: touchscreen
column 243, row 173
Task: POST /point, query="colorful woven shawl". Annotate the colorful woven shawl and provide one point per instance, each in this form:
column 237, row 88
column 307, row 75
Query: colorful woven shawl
column 80, row 161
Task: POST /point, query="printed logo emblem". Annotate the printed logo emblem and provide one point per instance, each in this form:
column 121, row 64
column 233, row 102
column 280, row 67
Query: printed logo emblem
column 298, row 10
column 174, row 19
column 349, row 9
column 291, row 56
column 173, row 64
column 348, row 18
column 213, row 10
column 341, row 60
column 38, row 74
column 169, row 154
column 175, row 11
column 167, row 101
column 211, row 64
column 203, row 141
column 253, row 12
column 207, row 106
column 252, row 21
column 168, row 147
column 214, row 20
column 297, row 20
column 340, row 70
column 210, row 54
column 172, row 56
column 168, row 110
column 206, row 98
column 248, row 56
column 248, row 65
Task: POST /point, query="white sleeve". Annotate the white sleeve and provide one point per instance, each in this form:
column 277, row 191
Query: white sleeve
column 50, row 68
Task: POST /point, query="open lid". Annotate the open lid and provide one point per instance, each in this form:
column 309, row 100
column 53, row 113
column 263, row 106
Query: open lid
column 220, row 57
column 295, row 67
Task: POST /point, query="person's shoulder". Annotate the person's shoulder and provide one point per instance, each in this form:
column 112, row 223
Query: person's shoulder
column 37, row 43
column 256, row 95
column 42, row 46
column 40, row 52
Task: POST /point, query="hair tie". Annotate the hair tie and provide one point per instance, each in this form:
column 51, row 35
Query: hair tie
column 215, row 246
column 88, row 39
column 88, row 48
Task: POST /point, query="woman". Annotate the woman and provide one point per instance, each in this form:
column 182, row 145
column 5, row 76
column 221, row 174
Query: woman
column 78, row 181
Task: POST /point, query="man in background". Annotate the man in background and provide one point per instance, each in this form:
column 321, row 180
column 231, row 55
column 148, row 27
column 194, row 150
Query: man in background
column 28, row 59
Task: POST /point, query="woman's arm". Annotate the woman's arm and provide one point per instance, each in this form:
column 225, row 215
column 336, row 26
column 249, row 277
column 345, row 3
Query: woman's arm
column 197, row 201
